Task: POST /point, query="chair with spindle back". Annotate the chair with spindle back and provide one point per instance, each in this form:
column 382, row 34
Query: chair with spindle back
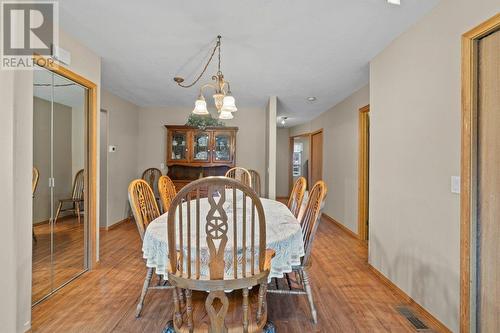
column 167, row 191
column 222, row 249
column 145, row 209
column 151, row 176
column 255, row 181
column 76, row 199
column 296, row 196
column 309, row 225
column 34, row 183
column 240, row 174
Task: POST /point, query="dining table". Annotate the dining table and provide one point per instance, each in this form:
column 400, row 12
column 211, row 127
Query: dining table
column 283, row 235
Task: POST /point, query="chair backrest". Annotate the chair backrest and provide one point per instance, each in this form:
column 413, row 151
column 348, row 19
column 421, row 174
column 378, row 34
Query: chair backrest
column 143, row 204
column 78, row 186
column 34, row 180
column 255, row 181
column 311, row 217
column 233, row 212
column 296, row 196
column 167, row 192
column 151, row 176
column 240, row 174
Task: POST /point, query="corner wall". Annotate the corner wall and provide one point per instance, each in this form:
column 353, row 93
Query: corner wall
column 340, row 156
column 415, row 149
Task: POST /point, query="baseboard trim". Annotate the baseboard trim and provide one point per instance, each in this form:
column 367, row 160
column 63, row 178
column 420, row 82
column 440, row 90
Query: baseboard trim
column 340, row 225
column 117, row 224
column 429, row 318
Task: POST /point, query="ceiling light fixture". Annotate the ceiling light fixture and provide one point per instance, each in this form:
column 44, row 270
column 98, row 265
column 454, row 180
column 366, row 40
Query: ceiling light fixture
column 394, row 2
column 283, row 120
column 311, row 99
column 223, row 99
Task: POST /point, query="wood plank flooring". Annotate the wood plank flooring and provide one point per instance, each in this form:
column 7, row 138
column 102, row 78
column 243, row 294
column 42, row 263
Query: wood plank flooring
column 67, row 259
column 349, row 297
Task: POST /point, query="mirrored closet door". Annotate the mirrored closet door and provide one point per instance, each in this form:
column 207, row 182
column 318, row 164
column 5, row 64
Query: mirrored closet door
column 59, row 210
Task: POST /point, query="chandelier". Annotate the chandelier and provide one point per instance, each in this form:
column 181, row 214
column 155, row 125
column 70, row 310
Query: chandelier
column 223, row 99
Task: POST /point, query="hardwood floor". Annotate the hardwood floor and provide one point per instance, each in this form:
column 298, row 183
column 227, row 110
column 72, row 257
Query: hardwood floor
column 68, row 256
column 348, row 295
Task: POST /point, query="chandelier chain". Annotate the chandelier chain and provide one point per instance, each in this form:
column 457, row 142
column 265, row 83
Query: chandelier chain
column 217, row 46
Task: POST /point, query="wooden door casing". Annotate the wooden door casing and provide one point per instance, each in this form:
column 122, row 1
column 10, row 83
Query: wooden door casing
column 316, row 156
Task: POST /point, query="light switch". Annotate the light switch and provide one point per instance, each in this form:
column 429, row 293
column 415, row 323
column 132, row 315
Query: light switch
column 112, row 149
column 455, row 184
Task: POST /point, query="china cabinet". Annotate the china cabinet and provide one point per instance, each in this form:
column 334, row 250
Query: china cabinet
column 194, row 153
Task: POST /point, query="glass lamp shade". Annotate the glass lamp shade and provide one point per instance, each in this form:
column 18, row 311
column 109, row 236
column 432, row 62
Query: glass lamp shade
column 229, row 104
column 200, row 107
column 225, row 114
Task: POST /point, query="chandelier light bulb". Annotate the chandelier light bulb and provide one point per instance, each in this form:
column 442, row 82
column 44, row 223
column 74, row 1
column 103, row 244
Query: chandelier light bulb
column 229, row 103
column 200, row 106
column 225, row 115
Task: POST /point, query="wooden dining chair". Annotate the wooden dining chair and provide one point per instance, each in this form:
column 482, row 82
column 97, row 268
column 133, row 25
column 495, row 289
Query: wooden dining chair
column 240, row 174
column 145, row 209
column 297, row 195
column 34, row 183
column 76, row 200
column 255, row 181
column 151, row 176
column 167, row 191
column 309, row 225
column 212, row 258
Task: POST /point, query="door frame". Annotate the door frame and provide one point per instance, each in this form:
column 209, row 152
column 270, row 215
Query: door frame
column 311, row 156
column 290, row 159
column 468, row 168
column 363, row 169
column 90, row 196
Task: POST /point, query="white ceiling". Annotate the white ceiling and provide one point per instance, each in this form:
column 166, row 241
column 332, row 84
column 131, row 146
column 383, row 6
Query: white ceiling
column 288, row 48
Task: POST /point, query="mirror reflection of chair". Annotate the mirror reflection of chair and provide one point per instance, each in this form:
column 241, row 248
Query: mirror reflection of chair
column 309, row 224
column 167, row 192
column 255, row 181
column 76, row 200
column 297, row 195
column 152, row 176
column 34, row 183
column 240, row 174
column 145, row 209
column 216, row 260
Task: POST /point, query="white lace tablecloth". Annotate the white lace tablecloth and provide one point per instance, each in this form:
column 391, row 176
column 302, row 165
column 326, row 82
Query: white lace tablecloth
column 283, row 235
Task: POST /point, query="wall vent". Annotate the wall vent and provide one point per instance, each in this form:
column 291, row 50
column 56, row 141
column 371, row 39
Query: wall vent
column 418, row 324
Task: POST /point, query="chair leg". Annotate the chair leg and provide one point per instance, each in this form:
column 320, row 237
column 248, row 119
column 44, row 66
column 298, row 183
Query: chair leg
column 58, row 211
column 262, row 302
column 307, row 287
column 147, row 281
column 177, row 308
column 78, row 211
column 189, row 311
column 245, row 310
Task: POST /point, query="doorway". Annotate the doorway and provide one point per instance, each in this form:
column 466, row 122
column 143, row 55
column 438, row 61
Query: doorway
column 363, row 170
column 299, row 159
column 480, row 179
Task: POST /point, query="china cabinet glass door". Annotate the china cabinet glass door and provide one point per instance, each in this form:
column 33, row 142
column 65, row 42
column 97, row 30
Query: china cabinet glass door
column 201, row 151
column 222, row 147
column 179, row 146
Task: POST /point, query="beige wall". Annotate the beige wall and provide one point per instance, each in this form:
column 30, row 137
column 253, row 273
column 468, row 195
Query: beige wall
column 282, row 162
column 17, row 150
column 250, row 140
column 415, row 149
column 340, row 155
column 123, row 132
